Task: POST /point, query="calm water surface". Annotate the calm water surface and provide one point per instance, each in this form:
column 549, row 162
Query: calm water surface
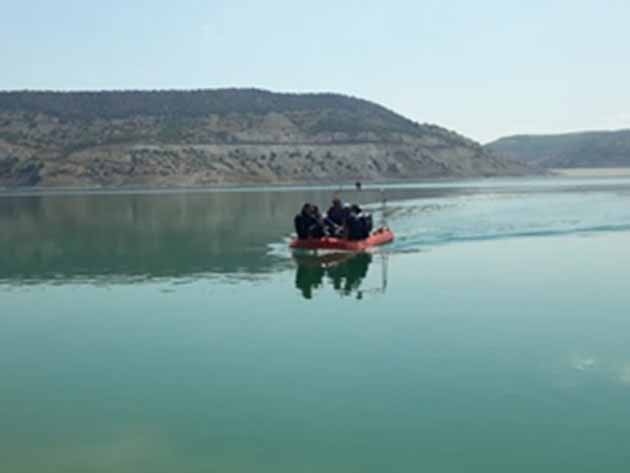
column 171, row 332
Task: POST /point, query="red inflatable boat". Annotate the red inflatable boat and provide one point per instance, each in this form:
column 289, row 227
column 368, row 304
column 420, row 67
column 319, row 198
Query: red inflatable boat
column 379, row 237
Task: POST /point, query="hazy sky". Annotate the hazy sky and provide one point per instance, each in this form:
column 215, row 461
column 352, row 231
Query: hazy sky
column 484, row 68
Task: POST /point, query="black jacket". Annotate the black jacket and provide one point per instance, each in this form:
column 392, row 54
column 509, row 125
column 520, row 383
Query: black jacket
column 307, row 226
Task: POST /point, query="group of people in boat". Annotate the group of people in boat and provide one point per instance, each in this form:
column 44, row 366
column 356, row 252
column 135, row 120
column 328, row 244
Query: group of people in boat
column 341, row 221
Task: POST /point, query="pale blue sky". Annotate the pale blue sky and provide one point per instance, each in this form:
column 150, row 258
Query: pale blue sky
column 485, row 68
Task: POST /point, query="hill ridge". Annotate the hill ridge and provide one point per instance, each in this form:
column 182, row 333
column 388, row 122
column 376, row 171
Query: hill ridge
column 206, row 136
column 591, row 148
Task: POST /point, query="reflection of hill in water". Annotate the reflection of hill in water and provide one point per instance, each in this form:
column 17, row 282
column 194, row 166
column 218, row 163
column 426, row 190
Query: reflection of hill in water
column 345, row 273
column 129, row 236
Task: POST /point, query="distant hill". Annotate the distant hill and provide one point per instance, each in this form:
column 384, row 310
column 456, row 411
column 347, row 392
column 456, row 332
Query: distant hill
column 571, row 150
column 199, row 137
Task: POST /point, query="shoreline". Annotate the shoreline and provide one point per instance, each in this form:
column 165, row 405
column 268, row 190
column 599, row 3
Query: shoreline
column 592, row 172
column 245, row 187
column 372, row 185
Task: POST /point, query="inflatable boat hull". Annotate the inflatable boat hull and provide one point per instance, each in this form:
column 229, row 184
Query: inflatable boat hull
column 381, row 236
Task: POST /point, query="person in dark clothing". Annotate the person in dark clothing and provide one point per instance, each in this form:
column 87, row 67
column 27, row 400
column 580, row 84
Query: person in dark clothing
column 354, row 230
column 316, row 214
column 301, row 222
column 336, row 213
column 307, row 224
column 336, row 218
column 317, row 228
column 358, row 224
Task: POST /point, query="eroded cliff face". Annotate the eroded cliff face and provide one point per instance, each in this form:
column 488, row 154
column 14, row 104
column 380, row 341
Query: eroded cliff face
column 41, row 145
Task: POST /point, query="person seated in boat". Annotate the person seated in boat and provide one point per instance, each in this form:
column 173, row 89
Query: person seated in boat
column 301, row 222
column 316, row 229
column 336, row 218
column 336, row 213
column 317, row 215
column 308, row 224
column 321, row 230
column 358, row 224
column 354, row 226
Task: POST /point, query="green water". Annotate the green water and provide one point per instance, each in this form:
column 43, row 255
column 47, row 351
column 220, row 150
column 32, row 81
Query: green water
column 171, row 332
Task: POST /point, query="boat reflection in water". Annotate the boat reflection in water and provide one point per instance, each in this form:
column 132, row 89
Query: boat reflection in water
column 344, row 271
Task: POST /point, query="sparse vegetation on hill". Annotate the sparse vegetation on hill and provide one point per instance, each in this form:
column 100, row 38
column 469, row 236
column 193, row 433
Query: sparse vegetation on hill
column 571, row 150
column 221, row 136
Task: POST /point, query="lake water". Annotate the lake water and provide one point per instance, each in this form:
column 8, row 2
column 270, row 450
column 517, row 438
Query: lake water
column 174, row 332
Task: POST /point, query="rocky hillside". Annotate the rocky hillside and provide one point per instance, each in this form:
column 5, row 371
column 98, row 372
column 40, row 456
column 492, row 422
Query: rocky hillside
column 571, row 150
column 222, row 136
